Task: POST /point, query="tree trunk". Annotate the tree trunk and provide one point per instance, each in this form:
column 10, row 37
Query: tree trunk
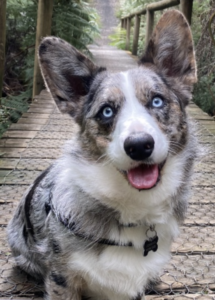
column 2, row 41
column 44, row 21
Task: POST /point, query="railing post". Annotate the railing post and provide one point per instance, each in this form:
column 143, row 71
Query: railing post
column 128, row 27
column 122, row 23
column 44, row 19
column 186, row 7
column 149, row 24
column 125, row 23
column 136, row 34
column 2, row 41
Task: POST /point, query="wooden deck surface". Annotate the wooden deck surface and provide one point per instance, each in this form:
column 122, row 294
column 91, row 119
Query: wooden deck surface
column 30, row 146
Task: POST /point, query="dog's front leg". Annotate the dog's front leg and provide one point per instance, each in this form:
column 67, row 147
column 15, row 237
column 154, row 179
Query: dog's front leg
column 60, row 287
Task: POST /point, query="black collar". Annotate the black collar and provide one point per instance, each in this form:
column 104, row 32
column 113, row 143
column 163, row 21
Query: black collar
column 151, row 243
column 92, row 239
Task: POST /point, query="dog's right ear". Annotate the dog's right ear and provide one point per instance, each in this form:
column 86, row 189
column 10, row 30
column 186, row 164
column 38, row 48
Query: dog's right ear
column 67, row 73
column 171, row 49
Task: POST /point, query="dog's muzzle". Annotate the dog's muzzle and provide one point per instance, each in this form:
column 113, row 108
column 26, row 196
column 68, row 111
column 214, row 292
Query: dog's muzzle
column 139, row 146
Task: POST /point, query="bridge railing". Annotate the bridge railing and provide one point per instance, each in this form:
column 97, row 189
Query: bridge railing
column 149, row 10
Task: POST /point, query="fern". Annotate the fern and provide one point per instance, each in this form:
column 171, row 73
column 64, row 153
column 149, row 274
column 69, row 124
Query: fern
column 73, row 20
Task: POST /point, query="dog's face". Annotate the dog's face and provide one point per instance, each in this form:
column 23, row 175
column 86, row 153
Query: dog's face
column 134, row 120
column 130, row 121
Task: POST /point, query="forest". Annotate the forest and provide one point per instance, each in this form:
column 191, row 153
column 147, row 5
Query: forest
column 78, row 22
column 203, row 29
column 73, row 20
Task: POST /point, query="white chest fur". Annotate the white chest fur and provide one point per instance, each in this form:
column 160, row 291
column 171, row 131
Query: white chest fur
column 120, row 272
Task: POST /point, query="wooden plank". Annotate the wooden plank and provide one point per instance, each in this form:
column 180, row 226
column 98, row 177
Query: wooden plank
column 36, row 143
column 151, row 297
column 25, row 127
column 44, row 99
column 35, row 116
column 8, row 164
column 198, row 112
column 200, row 117
column 43, row 105
column 51, row 153
column 19, row 134
column 8, row 201
column 18, row 177
column 14, row 143
column 210, row 125
column 21, row 298
column 40, row 110
column 179, row 297
column 206, row 122
column 174, row 285
column 211, row 130
column 195, row 110
column 11, row 152
column 3, row 173
column 25, row 163
column 32, row 121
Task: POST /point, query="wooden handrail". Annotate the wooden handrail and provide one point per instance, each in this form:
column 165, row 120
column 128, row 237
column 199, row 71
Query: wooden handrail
column 154, row 7
column 185, row 6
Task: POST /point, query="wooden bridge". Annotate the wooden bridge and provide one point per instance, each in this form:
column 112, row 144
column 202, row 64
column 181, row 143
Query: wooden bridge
column 29, row 147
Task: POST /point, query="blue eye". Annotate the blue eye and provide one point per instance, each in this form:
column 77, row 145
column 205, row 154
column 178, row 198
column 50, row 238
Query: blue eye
column 107, row 112
column 157, row 102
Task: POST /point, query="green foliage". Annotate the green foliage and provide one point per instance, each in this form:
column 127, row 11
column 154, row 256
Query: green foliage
column 73, row 20
column 76, row 22
column 200, row 9
column 128, row 6
column 118, row 38
column 12, row 108
column 204, row 92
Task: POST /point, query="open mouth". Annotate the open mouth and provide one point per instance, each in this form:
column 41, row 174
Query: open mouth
column 144, row 176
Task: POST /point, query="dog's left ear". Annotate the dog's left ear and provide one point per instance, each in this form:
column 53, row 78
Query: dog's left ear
column 67, row 73
column 171, row 50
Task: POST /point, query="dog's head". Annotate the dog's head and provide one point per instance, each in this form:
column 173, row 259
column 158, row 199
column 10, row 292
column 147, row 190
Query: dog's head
column 135, row 120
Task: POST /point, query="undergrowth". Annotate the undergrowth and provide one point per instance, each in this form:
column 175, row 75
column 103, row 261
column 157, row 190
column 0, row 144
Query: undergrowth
column 204, row 90
column 73, row 20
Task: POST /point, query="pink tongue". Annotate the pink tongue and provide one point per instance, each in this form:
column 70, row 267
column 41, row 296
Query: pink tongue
column 144, row 176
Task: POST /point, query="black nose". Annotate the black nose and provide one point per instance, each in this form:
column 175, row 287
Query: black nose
column 139, row 146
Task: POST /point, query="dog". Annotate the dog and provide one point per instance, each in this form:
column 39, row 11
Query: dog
column 99, row 223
